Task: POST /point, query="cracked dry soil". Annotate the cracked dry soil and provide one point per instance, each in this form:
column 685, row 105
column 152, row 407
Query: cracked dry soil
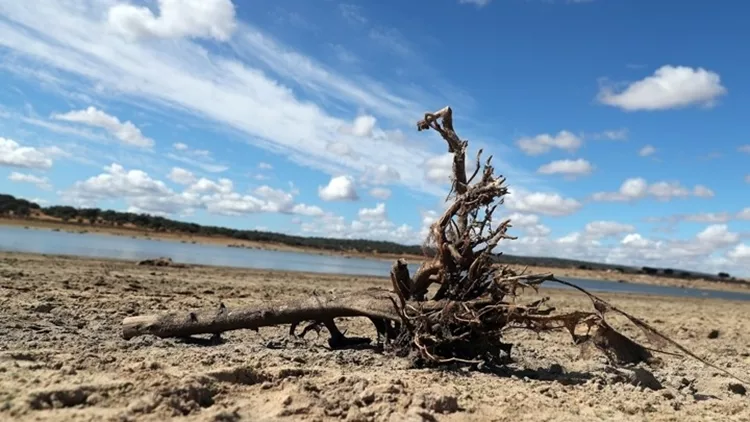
column 62, row 357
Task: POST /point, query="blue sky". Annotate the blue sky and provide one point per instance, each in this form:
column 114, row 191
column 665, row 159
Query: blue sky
column 619, row 124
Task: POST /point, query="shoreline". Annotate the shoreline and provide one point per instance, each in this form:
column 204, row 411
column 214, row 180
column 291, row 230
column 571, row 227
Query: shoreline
column 592, row 274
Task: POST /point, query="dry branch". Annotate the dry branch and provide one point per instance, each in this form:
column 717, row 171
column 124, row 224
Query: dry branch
column 464, row 320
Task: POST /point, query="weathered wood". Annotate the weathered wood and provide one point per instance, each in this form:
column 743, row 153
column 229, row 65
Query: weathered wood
column 374, row 303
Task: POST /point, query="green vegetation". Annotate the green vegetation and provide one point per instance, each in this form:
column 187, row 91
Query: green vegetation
column 11, row 206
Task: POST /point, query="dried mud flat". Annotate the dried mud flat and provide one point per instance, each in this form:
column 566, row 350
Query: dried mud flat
column 62, row 357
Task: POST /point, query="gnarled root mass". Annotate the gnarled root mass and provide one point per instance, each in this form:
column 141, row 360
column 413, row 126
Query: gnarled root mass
column 481, row 296
column 476, row 302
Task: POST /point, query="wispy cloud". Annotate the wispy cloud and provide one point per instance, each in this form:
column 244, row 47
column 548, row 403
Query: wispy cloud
column 181, row 74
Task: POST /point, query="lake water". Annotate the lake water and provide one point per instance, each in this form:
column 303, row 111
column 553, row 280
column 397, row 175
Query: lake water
column 18, row 239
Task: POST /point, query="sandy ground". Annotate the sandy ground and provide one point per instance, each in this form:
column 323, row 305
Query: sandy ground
column 62, row 357
column 185, row 238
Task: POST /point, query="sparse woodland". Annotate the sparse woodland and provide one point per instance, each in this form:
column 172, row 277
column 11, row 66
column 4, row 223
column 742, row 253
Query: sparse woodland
column 458, row 304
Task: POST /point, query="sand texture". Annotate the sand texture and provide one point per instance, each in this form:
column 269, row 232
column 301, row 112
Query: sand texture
column 62, row 357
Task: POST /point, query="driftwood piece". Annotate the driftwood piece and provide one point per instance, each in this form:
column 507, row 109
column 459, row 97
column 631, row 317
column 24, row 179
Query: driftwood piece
column 375, row 304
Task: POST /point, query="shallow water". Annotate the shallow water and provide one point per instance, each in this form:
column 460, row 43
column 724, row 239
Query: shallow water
column 94, row 245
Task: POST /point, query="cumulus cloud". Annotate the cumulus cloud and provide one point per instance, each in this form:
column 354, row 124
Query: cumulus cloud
column 181, row 176
column 126, row 132
column 568, row 168
column 529, row 224
column 363, row 126
column 637, row 188
column 669, row 87
column 339, row 188
column 380, row 175
column 718, row 235
column 552, row 204
column 438, row 169
column 143, row 193
column 12, row 154
column 740, row 252
column 703, row 192
column 543, row 143
column 647, row 151
column 41, row 182
column 378, row 213
column 177, row 18
column 335, row 226
column 600, row 229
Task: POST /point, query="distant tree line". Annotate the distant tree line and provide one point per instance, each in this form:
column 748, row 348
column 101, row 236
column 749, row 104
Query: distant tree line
column 11, row 206
column 16, row 207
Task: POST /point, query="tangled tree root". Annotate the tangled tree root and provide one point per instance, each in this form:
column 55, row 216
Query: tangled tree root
column 476, row 302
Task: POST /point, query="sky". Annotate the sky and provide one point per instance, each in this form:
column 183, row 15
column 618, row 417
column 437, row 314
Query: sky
column 620, row 125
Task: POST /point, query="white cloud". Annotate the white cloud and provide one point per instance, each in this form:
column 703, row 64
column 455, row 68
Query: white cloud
column 265, row 166
column 703, row 192
column 363, row 126
column 126, row 132
column 669, row 87
column 339, row 188
column 600, row 229
column 142, row 193
column 612, row 135
column 378, row 213
column 116, row 182
column 371, row 224
column 668, row 190
column 439, row 169
column 340, row 148
column 568, row 168
column 41, row 182
column 177, row 18
column 744, row 148
column 72, row 40
column 380, row 193
column 380, row 175
column 747, row 178
column 638, row 188
column 541, row 203
column 529, row 223
column 718, row 235
column 181, row 176
column 12, row 154
column 647, row 151
column 740, row 252
column 744, row 214
column 543, row 143
column 179, row 146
